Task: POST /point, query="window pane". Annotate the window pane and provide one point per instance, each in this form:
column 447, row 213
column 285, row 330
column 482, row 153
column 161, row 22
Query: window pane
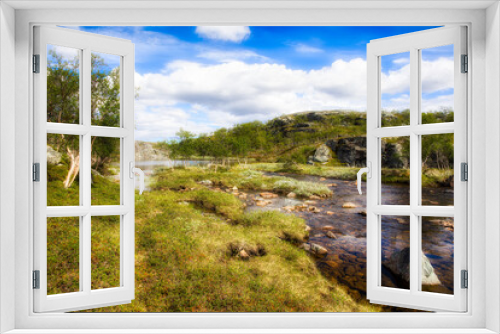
column 395, row 89
column 437, row 254
column 105, row 89
column 395, row 251
column 105, row 252
column 63, row 255
column 437, row 73
column 63, row 169
column 105, row 171
column 395, row 171
column 63, row 84
column 437, row 169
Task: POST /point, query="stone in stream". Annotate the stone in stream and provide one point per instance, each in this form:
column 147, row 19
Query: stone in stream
column 327, row 228
column 262, row 203
column 268, row 195
column 399, row 265
column 322, row 179
column 291, row 195
column 313, row 209
column 331, row 235
column 332, row 185
column 289, row 208
column 314, row 198
column 310, row 202
column 318, row 250
column 235, row 189
column 349, row 205
column 329, row 213
column 362, row 213
column 243, row 196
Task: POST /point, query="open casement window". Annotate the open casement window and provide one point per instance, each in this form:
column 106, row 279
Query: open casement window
column 399, row 241
column 83, row 120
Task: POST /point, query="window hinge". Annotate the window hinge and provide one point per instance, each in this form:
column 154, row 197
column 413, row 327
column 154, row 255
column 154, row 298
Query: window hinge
column 464, row 167
column 36, row 279
column 465, row 64
column 465, row 279
column 36, row 63
column 36, row 172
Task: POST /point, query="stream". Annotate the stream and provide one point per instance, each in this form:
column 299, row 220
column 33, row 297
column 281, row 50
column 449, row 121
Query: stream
column 346, row 258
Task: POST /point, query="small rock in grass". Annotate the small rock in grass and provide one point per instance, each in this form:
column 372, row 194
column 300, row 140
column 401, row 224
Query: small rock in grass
column 206, row 182
column 331, row 235
column 244, row 255
column 349, row 205
column 314, row 197
column 291, row 195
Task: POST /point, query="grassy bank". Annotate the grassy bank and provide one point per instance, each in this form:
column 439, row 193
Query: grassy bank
column 240, row 177
column 431, row 177
column 189, row 256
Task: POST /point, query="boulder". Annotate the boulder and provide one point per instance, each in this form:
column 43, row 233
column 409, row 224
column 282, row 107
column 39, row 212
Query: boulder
column 262, row 203
column 322, row 154
column 244, row 255
column 399, row 265
column 349, row 205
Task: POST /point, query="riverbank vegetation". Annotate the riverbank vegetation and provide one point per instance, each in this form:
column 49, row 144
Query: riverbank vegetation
column 197, row 250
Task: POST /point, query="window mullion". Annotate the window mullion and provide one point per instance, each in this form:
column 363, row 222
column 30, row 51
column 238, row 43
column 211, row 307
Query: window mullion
column 414, row 168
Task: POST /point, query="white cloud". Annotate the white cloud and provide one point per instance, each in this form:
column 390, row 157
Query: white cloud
column 201, row 97
column 231, row 55
column 437, row 75
column 234, row 34
column 303, row 48
column 401, row 61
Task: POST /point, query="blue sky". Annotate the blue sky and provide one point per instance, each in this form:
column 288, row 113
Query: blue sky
column 204, row 78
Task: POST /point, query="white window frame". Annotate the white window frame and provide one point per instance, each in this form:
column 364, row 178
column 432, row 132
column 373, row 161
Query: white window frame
column 484, row 50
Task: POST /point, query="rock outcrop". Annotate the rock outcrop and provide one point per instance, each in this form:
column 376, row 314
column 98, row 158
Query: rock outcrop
column 322, row 154
column 146, row 151
column 53, row 156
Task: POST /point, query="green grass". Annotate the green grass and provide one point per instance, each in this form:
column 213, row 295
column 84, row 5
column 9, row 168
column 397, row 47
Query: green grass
column 187, row 246
column 430, row 177
column 240, row 177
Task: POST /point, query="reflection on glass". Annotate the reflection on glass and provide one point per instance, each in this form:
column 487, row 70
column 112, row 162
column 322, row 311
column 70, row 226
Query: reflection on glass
column 437, row 254
column 63, row 84
column 105, row 171
column 105, row 89
column 105, row 252
column 437, row 82
column 395, row 251
column 395, row 172
column 63, row 168
column 437, row 169
column 63, row 255
column 395, row 89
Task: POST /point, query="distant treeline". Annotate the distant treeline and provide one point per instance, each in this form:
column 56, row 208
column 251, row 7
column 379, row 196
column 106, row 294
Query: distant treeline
column 269, row 141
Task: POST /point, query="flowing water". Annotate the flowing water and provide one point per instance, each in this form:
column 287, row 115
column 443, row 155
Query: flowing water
column 346, row 258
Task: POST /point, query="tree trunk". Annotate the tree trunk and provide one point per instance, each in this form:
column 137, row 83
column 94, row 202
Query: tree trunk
column 74, row 167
